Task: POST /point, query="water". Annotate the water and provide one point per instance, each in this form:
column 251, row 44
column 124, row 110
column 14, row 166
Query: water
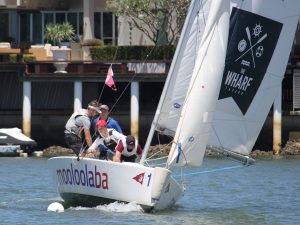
column 266, row 193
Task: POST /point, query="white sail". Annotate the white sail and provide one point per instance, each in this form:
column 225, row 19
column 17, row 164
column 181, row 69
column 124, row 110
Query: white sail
column 182, row 66
column 256, row 60
column 170, row 105
column 193, row 128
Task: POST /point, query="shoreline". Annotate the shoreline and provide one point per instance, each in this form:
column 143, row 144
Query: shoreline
column 292, row 148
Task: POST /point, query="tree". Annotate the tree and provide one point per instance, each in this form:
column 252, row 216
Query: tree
column 160, row 20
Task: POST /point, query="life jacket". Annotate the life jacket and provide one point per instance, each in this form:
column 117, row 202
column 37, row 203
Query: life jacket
column 129, row 152
column 71, row 126
column 110, row 142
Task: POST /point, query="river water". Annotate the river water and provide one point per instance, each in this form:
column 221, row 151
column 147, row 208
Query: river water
column 265, row 193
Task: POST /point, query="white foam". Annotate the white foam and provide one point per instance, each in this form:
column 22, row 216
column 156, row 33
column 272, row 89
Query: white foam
column 115, row 207
column 120, row 207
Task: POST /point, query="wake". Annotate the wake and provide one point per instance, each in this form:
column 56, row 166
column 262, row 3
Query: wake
column 114, row 207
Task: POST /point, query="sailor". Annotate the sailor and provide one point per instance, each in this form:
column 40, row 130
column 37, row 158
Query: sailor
column 107, row 137
column 111, row 123
column 77, row 130
column 127, row 150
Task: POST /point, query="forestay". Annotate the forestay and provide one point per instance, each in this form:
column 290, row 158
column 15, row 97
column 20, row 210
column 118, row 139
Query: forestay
column 193, row 128
column 255, row 65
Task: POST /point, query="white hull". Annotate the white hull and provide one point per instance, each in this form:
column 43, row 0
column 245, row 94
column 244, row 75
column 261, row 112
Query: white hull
column 14, row 136
column 91, row 182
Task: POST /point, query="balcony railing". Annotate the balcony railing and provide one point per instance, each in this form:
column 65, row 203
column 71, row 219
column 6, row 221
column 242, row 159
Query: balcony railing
column 91, row 70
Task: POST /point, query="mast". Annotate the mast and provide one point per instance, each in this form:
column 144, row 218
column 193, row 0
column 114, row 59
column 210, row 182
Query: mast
column 164, row 92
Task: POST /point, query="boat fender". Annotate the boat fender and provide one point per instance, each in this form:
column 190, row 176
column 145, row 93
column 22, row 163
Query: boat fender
column 56, row 207
column 160, row 178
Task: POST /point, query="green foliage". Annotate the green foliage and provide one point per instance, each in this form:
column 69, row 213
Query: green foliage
column 92, row 42
column 160, row 20
column 29, row 58
column 110, row 52
column 59, row 32
column 13, row 58
column 26, row 58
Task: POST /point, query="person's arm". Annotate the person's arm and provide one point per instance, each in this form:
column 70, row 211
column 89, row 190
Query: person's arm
column 117, row 157
column 87, row 136
column 93, row 147
column 139, row 150
column 85, row 123
column 117, row 135
column 119, row 148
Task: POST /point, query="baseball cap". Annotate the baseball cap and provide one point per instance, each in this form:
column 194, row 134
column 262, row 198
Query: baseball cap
column 101, row 123
column 130, row 141
column 104, row 107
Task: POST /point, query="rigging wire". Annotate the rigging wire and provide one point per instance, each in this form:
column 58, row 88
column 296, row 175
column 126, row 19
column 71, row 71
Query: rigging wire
column 84, row 145
column 208, row 171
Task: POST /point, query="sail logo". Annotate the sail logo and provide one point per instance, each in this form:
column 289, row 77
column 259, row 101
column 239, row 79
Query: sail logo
column 251, row 44
column 139, row 178
column 237, row 81
column 83, row 177
column 253, row 50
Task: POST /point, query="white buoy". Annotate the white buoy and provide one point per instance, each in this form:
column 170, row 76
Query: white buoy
column 56, row 207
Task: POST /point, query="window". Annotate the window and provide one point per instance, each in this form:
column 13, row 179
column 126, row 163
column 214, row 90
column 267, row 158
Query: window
column 72, row 19
column 31, row 25
column 4, row 26
column 25, row 27
column 60, row 17
column 48, row 18
column 107, row 27
column 97, row 25
column 81, row 24
column 37, row 28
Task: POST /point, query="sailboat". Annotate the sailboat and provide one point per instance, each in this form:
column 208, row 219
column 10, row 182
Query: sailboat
column 225, row 47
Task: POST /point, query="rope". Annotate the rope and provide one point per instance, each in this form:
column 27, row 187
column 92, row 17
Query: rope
column 150, row 158
column 156, row 159
column 209, row 171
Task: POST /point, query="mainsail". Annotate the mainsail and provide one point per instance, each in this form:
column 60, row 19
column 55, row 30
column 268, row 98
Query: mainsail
column 182, row 66
column 256, row 60
column 196, row 116
column 180, row 73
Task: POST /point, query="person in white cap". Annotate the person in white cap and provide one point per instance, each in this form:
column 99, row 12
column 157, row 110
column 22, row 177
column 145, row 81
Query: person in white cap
column 77, row 130
column 111, row 124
